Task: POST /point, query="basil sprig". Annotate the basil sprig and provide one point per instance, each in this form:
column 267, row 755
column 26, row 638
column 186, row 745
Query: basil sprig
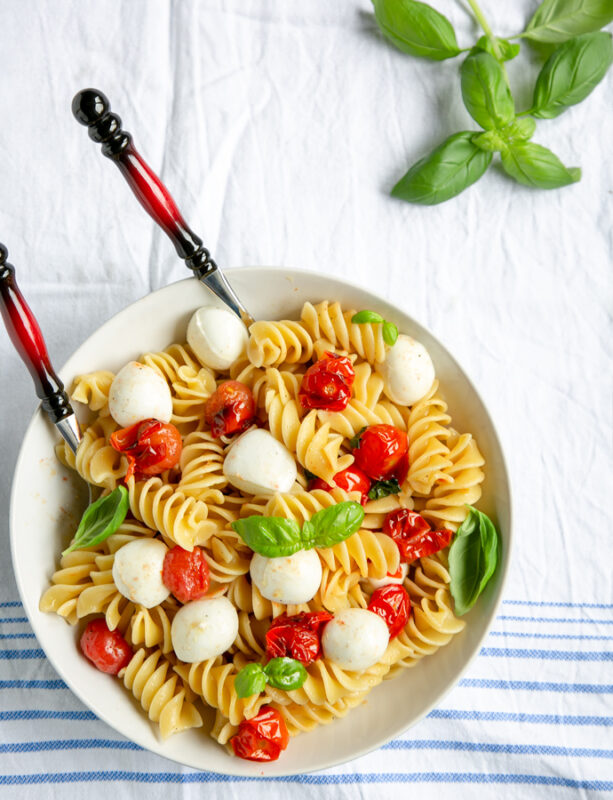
column 381, row 489
column 473, row 557
column 281, row 673
column 390, row 331
column 276, row 537
column 572, row 71
column 101, row 519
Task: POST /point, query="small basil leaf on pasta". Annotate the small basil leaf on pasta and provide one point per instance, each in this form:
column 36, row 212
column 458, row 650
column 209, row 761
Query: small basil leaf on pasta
column 334, row 524
column 383, row 489
column 473, row 557
column 251, row 679
column 270, row 536
column 366, row 316
column 390, row 333
column 285, row 673
column 355, row 440
column 101, row 519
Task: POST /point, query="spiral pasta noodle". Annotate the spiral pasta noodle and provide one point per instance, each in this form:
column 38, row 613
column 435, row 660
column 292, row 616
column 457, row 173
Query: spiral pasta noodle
column 92, row 389
column 328, row 321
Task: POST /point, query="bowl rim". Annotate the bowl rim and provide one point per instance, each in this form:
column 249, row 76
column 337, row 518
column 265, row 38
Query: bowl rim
column 503, row 568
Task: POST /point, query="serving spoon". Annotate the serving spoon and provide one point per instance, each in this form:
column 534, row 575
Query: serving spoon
column 92, row 108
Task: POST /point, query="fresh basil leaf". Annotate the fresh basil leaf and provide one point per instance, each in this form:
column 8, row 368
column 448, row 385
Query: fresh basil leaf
column 355, row 440
column 270, row 536
column 383, row 489
column 366, row 316
column 571, row 73
column 310, row 476
column 390, row 333
column 285, row 673
column 416, row 28
column 508, row 50
column 485, row 91
column 534, row 165
column 101, row 519
column 473, row 557
column 333, row 525
column 452, row 167
column 489, row 141
column 521, row 129
column 559, row 20
column 251, row 679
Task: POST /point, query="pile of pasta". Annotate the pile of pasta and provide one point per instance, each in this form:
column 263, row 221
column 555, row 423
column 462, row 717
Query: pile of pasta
column 193, row 504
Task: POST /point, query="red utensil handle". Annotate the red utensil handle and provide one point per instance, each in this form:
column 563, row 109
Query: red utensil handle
column 26, row 335
column 92, row 108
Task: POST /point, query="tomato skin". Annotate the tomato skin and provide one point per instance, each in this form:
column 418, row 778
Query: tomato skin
column 297, row 636
column 261, row 738
column 382, row 453
column 186, row 573
column 351, row 479
column 413, row 535
column 150, row 446
column 230, row 409
column 393, row 605
column 107, row 650
column 327, row 384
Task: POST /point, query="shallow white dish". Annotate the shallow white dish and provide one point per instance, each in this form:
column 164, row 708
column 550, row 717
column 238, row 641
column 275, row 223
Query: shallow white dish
column 47, row 501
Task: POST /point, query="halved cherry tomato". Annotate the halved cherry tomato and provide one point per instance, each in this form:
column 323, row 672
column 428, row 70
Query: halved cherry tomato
column 150, row 446
column 413, row 535
column 297, row 636
column 261, row 738
column 186, row 573
column 351, row 479
column 107, row 650
column 382, row 452
column 231, row 408
column 393, row 605
column 327, row 384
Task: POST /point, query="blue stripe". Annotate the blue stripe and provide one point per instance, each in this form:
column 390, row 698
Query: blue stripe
column 17, row 636
column 529, row 635
column 537, row 686
column 552, row 655
column 555, row 604
column 555, row 619
column 10, row 654
column 483, row 747
column 506, row 716
column 33, row 714
column 13, row 619
column 10, row 604
column 17, row 684
column 314, row 780
column 68, row 744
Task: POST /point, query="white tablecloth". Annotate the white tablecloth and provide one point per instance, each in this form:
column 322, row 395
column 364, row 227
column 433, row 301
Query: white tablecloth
column 280, row 126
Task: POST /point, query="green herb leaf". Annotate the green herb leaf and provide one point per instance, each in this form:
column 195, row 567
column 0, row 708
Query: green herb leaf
column 390, row 333
column 570, row 74
column 333, row 524
column 310, row 476
column 452, row 167
column 534, row 165
column 508, row 50
column 285, row 673
column 521, row 129
column 251, row 679
column 366, row 316
column 473, row 557
column 559, row 20
column 485, row 91
column 383, row 489
column 272, row 537
column 416, row 28
column 489, row 141
column 355, row 440
column 101, row 519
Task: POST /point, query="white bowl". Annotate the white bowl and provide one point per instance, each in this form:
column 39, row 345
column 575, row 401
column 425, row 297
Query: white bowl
column 47, row 501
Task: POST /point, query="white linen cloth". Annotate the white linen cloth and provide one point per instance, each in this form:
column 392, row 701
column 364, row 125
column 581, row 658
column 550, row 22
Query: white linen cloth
column 280, row 126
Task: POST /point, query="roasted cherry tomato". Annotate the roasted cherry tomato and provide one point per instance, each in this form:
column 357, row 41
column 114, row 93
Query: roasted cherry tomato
column 393, row 605
column 413, row 535
column 150, row 446
column 106, row 649
column 297, row 636
column 261, row 738
column 231, row 408
column 186, row 573
column 351, row 479
column 382, row 452
column 327, row 384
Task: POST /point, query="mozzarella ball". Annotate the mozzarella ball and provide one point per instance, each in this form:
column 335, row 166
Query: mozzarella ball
column 138, row 393
column 137, row 572
column 204, row 629
column 288, row 579
column 259, row 464
column 217, row 336
column 377, row 583
column 408, row 371
column 355, row 639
